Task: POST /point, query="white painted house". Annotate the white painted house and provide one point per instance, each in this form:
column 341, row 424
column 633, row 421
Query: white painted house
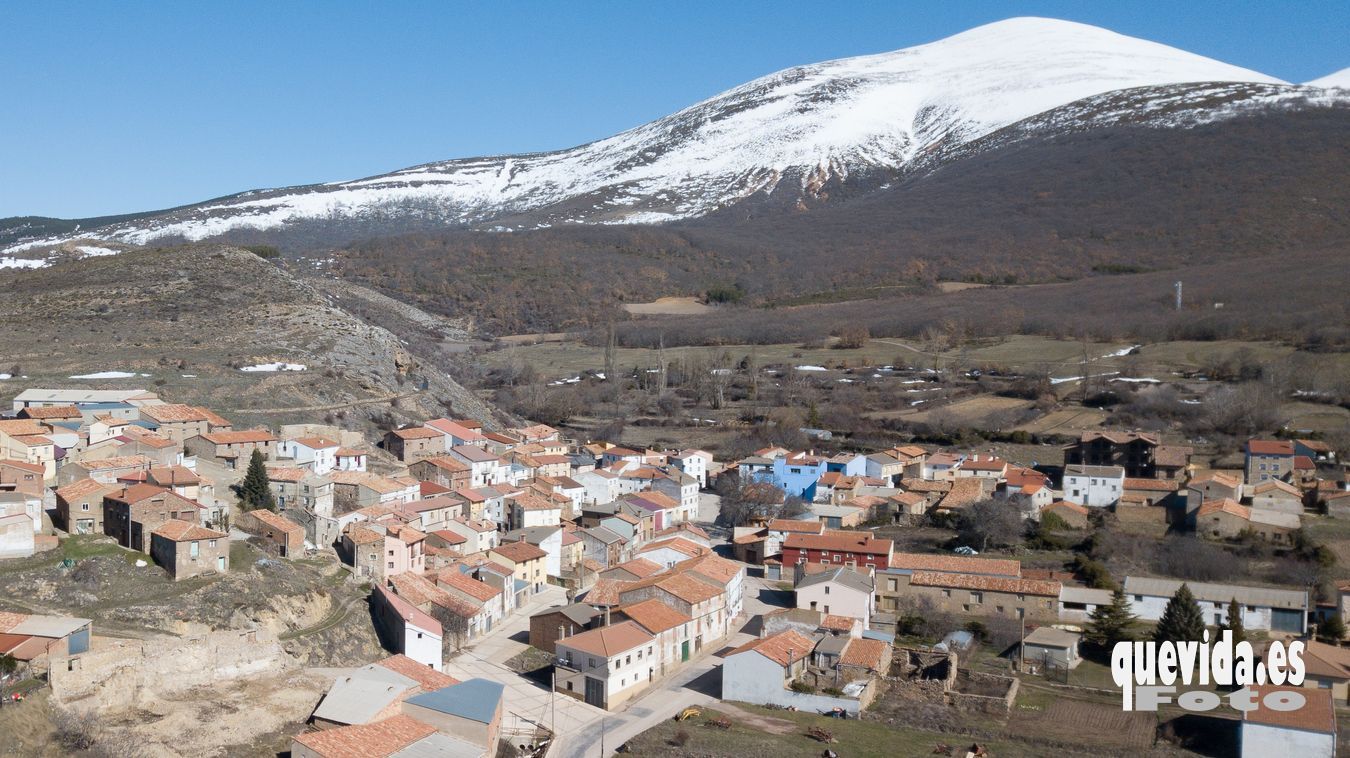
column 408, row 630
column 695, row 463
column 1093, row 486
column 484, row 467
column 318, row 454
column 606, row 667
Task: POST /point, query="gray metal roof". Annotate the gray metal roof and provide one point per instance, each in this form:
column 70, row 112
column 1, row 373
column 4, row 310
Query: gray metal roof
column 1219, row 593
column 839, row 575
column 876, row 634
column 1108, row 472
column 533, row 534
column 602, row 534
column 1073, row 594
column 833, row 645
column 475, row 699
column 1048, row 636
column 77, row 396
column 55, row 627
column 359, row 697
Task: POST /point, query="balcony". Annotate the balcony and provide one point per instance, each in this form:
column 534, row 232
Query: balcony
column 567, row 664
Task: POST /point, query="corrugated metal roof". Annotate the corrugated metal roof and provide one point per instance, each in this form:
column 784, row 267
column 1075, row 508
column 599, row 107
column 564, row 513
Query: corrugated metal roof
column 1070, row 594
column 475, row 699
column 359, row 697
column 1218, row 593
column 49, row 626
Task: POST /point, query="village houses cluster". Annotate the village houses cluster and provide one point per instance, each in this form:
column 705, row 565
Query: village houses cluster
column 457, row 527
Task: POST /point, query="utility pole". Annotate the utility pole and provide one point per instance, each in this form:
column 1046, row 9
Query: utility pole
column 602, row 737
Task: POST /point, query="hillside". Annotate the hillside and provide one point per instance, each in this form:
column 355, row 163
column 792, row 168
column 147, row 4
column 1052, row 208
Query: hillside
column 185, row 321
column 1024, row 209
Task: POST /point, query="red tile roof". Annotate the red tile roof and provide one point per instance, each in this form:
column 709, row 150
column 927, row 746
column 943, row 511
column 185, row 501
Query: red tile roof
column 838, row 543
column 872, row 654
column 426, row 677
column 183, row 531
column 1318, row 713
column 1270, row 447
column 654, row 615
column 609, row 641
column 785, row 648
column 986, row 583
column 378, row 739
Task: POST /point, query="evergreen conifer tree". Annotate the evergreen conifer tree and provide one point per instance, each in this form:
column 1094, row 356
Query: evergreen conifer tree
column 255, row 491
column 1182, row 619
column 1111, row 623
column 1234, row 623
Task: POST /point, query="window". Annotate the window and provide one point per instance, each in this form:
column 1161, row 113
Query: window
column 946, row 593
column 977, row 597
column 966, row 608
column 827, row 589
column 391, row 564
column 1138, row 598
column 195, row 549
column 84, row 506
column 1000, row 609
column 591, row 661
column 210, row 543
column 627, row 660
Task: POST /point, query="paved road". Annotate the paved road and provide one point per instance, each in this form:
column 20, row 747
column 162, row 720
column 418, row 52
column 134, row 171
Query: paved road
column 584, row 731
column 526, row 702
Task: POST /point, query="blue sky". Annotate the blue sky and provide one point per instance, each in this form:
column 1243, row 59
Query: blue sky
column 118, row 107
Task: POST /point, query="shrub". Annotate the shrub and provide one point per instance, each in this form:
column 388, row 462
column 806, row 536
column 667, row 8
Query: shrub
column 800, row 686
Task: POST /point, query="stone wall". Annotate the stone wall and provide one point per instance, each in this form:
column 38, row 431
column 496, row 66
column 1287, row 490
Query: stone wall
column 122, row 672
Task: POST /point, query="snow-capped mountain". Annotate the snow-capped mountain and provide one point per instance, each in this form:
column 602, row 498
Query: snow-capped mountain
column 1339, row 79
column 785, row 135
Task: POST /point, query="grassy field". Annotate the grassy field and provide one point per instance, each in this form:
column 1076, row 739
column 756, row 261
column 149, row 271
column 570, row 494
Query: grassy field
column 560, row 358
column 775, row 734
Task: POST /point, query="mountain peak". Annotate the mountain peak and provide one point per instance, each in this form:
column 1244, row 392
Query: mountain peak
column 787, row 134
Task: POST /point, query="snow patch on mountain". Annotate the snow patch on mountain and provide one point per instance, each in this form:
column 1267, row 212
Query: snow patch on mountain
column 1339, row 79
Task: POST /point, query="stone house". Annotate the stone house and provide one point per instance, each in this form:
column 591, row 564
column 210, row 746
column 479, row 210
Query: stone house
column 79, row 505
column 18, row 476
column 233, row 450
column 185, row 549
column 282, row 535
column 553, row 624
column 132, row 513
column 414, row 442
column 444, row 470
column 176, row 421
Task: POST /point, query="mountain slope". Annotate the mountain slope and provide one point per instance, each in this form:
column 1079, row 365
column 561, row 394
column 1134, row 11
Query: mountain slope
column 184, row 321
column 788, row 136
column 1339, row 79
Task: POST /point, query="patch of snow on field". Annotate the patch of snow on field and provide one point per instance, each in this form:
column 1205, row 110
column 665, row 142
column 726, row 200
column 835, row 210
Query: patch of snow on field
column 8, row 262
column 275, row 367
column 812, row 368
column 91, row 251
column 1063, row 379
column 107, row 375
